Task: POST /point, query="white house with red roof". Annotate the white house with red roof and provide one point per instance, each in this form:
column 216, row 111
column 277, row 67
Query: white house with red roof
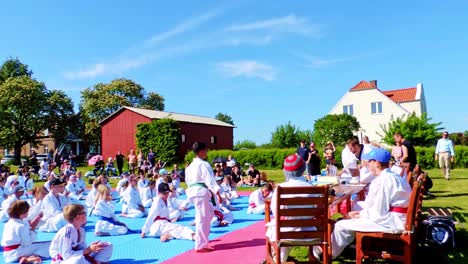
column 373, row 107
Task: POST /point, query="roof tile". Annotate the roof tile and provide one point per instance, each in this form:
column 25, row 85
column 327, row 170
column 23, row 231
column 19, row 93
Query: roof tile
column 401, row 95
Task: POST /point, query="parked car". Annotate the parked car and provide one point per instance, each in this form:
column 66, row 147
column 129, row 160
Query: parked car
column 8, row 158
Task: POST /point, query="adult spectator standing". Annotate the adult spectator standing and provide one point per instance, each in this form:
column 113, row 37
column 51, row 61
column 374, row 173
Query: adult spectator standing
column 132, row 161
column 411, row 158
column 73, row 159
column 119, row 158
column 202, row 187
column 33, row 161
column 444, row 152
column 303, row 151
column 152, row 157
column 313, row 162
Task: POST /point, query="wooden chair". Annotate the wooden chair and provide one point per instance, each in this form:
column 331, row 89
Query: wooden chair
column 403, row 245
column 298, row 208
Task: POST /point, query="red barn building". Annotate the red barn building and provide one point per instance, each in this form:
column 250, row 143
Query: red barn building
column 119, row 130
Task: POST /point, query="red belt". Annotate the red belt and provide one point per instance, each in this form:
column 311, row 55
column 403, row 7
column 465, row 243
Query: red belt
column 219, row 215
column 401, row 210
column 10, row 248
column 253, row 205
column 57, row 258
column 160, row 218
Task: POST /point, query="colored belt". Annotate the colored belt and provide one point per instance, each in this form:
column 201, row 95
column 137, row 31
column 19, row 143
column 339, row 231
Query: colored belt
column 160, row 218
column 201, row 184
column 111, row 220
column 219, row 215
column 401, row 210
column 253, row 205
column 10, row 248
column 57, row 258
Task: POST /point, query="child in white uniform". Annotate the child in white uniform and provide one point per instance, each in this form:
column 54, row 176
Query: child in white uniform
column 107, row 225
column 17, row 193
column 69, row 244
column 177, row 207
column 76, row 193
column 35, row 203
column 18, row 237
column 52, row 206
column 148, row 193
column 132, row 206
column 222, row 216
column 157, row 223
column 257, row 199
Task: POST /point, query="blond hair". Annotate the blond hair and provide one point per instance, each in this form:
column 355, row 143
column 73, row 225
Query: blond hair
column 71, row 211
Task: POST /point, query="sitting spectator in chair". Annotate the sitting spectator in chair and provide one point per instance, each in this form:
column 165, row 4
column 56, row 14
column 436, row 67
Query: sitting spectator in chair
column 257, row 199
column 293, row 168
column 253, row 176
column 110, row 169
column 98, row 166
column 383, row 210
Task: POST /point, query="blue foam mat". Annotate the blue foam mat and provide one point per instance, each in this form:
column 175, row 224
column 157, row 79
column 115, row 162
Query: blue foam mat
column 131, row 248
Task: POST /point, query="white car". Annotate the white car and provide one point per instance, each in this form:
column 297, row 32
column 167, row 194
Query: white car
column 9, row 157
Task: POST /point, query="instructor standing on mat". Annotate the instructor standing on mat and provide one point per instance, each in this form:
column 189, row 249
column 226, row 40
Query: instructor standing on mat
column 201, row 192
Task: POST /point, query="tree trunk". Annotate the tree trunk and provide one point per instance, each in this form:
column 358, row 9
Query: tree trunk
column 17, row 153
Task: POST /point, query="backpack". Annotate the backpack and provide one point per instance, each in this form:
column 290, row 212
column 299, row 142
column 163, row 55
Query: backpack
column 439, row 232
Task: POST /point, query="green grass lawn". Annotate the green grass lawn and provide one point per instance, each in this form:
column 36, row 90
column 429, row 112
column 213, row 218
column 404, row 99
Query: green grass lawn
column 452, row 194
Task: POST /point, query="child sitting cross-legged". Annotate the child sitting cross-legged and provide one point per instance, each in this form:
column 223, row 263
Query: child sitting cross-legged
column 107, row 225
column 69, row 244
column 18, row 237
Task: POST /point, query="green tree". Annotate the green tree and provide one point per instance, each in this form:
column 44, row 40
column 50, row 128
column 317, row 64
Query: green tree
column 103, row 99
column 286, row 136
column 161, row 135
column 416, row 129
column 336, row 128
column 27, row 108
column 13, row 68
column 245, row 144
column 225, row 118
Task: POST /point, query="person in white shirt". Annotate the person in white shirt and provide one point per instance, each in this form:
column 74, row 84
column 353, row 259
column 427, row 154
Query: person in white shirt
column 257, row 199
column 132, row 206
column 142, row 182
column 18, row 191
column 384, row 209
column 12, row 181
column 107, row 225
column 158, row 224
column 35, row 203
column 69, row 244
column 148, row 193
column 19, row 236
column 177, row 207
column 76, row 193
column 201, row 192
column 52, row 207
column 119, row 189
column 43, row 169
column 80, row 182
column 444, row 153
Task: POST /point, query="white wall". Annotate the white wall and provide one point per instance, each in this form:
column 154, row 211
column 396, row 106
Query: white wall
column 414, row 106
column 361, row 101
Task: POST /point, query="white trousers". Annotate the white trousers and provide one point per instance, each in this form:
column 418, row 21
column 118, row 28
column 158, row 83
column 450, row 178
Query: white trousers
column 260, row 209
column 345, row 232
column 39, row 248
column 53, row 224
column 178, row 231
column 108, row 227
column 101, row 256
column 203, row 215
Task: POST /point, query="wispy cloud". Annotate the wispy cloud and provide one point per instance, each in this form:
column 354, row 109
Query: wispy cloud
column 247, row 68
column 182, row 28
column 288, row 24
column 317, row 62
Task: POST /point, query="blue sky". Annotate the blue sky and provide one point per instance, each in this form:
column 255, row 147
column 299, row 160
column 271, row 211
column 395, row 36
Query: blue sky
column 264, row 63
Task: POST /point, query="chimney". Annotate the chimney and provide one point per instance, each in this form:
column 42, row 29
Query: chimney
column 373, row 83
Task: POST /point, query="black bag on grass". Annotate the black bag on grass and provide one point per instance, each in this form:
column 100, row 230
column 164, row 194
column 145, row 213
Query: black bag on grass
column 439, row 232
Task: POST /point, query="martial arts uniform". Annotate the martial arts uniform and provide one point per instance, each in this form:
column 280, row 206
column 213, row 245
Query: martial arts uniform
column 221, row 214
column 6, row 204
column 257, row 202
column 91, row 198
column 68, row 245
column 52, row 207
column 74, row 189
column 120, row 189
column 173, row 204
column 147, row 194
column 18, row 241
column 142, row 183
column 201, row 192
column 229, row 193
column 271, row 226
column 131, row 201
column 158, row 224
column 35, row 208
column 107, row 222
column 383, row 211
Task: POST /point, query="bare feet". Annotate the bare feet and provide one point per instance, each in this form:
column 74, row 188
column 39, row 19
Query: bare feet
column 30, row 259
column 123, row 215
column 165, row 237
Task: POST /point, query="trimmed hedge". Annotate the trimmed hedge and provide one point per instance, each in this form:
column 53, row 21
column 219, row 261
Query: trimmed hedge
column 273, row 158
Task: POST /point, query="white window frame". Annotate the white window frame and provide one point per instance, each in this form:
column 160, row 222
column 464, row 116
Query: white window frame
column 376, row 108
column 348, row 109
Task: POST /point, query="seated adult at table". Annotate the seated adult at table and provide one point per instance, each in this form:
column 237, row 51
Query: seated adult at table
column 293, row 168
column 352, row 154
column 384, row 209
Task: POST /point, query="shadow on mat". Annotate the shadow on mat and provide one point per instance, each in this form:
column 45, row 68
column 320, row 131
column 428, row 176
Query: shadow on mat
column 132, row 261
column 240, row 244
